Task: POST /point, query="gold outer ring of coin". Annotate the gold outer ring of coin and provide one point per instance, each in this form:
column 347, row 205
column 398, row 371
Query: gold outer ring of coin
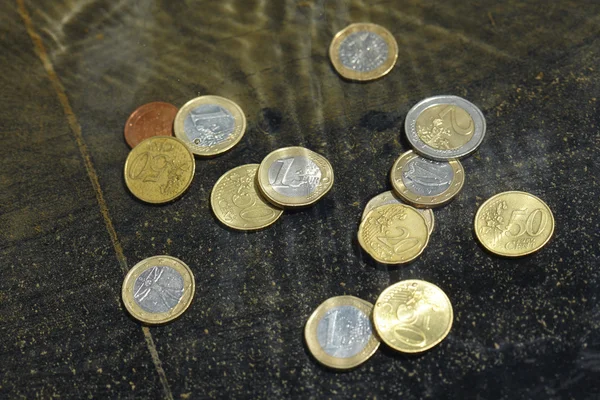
column 418, row 200
column 412, row 316
column 209, row 151
column 378, row 72
column 388, row 244
column 189, row 287
column 159, row 169
column 252, row 202
column 508, row 223
column 310, row 333
column 384, row 198
column 325, row 183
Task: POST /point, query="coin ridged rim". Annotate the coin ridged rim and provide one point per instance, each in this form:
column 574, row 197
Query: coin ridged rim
column 324, row 186
column 139, row 113
column 233, row 139
column 421, row 201
column 149, row 318
column 434, row 343
column 366, row 248
column 310, row 333
column 258, row 193
column 410, row 126
column 495, row 197
column 429, row 219
column 184, row 187
column 378, row 72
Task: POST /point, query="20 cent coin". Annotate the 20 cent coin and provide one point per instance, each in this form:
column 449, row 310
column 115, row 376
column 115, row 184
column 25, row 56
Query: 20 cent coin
column 412, row 316
column 390, row 197
column 514, row 224
column 339, row 333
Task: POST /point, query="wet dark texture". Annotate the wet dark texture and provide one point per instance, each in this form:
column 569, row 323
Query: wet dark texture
column 524, row 329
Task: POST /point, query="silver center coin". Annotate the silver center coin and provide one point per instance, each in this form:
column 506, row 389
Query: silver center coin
column 208, row 125
column 295, row 176
column 344, row 331
column 158, row 289
column 363, row 51
column 426, row 177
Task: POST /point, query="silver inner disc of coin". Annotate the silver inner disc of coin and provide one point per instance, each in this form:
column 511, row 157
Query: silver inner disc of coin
column 344, row 331
column 363, row 51
column 208, row 125
column 296, row 176
column 426, row 177
column 158, row 289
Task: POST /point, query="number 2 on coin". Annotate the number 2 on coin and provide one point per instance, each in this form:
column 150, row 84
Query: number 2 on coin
column 397, row 239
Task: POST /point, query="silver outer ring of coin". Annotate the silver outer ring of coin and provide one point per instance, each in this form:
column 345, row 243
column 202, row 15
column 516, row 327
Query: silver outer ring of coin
column 410, row 126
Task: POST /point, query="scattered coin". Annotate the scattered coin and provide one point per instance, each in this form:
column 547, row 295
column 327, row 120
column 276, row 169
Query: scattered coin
column 210, row 125
column 158, row 289
column 294, row 177
column 445, row 127
column 426, row 183
column 390, row 197
column 236, row 202
column 152, row 119
column 514, row 224
column 412, row 316
column 339, row 333
column 393, row 234
column 159, row 169
column 363, row 52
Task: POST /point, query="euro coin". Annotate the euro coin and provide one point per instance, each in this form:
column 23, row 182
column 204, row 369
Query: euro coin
column 152, row 119
column 159, row 169
column 339, row 333
column 363, row 52
column 393, row 234
column 514, row 224
column 390, row 197
column 210, row 125
column 158, row 289
column 412, row 316
column 294, row 177
column 236, row 202
column 445, row 127
column 426, row 183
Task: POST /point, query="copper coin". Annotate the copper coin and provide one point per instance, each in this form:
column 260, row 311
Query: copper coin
column 152, row 119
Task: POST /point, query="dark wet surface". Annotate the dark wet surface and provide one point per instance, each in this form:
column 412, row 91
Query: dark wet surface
column 524, row 329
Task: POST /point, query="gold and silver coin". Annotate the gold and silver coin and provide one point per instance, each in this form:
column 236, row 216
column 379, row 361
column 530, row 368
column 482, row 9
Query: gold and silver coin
column 294, row 177
column 159, row 169
column 158, row 289
column 412, row 316
column 426, row 183
column 393, row 234
column 514, row 224
column 363, row 52
column 210, row 125
column 390, row 197
column 445, row 127
column 236, row 202
column 339, row 333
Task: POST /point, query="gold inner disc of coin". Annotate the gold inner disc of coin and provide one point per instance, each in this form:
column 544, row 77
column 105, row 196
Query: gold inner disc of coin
column 340, row 334
column 236, row 202
column 210, row 125
column 363, row 52
column 294, row 177
column 422, row 182
column 158, row 289
column 390, row 197
column 445, row 127
column 159, row 169
column 412, row 316
column 393, row 234
column 514, row 224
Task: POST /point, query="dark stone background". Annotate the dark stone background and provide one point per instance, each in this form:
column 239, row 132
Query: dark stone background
column 72, row 72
